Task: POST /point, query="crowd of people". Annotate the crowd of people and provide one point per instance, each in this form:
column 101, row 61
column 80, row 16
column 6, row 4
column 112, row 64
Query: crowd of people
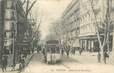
column 4, row 63
column 66, row 50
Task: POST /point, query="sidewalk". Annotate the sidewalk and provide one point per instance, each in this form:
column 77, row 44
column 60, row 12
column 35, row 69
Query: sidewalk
column 87, row 53
column 89, row 57
column 27, row 60
column 29, row 57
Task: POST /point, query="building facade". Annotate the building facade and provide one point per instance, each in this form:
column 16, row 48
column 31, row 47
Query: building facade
column 10, row 23
column 15, row 25
column 92, row 16
column 70, row 24
column 80, row 20
column 13, row 29
column 87, row 25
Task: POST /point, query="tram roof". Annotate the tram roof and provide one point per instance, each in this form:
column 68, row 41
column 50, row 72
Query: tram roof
column 52, row 42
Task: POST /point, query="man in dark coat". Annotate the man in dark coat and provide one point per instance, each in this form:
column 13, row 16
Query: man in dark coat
column 45, row 54
column 67, row 50
column 4, row 62
column 105, row 57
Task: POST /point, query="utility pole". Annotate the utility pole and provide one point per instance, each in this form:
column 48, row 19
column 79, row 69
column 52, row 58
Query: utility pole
column 1, row 27
column 109, row 7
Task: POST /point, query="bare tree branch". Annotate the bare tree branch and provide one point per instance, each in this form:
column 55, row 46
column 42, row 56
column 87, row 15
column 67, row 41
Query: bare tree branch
column 106, row 27
column 23, row 2
column 29, row 8
column 98, row 34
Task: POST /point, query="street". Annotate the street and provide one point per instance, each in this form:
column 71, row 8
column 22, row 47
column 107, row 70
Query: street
column 75, row 36
column 67, row 65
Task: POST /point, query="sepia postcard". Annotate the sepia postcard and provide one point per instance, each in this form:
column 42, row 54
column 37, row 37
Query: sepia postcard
column 56, row 36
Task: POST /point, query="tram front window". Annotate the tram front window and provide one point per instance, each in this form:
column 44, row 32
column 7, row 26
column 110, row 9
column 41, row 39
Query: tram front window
column 55, row 50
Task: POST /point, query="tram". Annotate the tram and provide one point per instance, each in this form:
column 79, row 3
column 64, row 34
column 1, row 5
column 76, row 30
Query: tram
column 53, row 51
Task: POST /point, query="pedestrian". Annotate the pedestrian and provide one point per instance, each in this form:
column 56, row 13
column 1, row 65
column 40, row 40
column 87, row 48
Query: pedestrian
column 80, row 51
column 20, row 66
column 99, row 57
column 105, row 57
column 74, row 50
column 25, row 54
column 22, row 63
column 67, row 51
column 45, row 55
column 62, row 51
column 38, row 50
column 14, row 64
column 4, row 62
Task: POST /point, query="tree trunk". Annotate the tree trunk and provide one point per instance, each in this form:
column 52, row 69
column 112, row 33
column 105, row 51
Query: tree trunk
column 102, row 54
column 112, row 57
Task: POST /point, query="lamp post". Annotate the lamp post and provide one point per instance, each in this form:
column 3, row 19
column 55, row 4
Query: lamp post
column 14, row 34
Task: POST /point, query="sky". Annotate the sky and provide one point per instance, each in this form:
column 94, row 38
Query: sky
column 49, row 11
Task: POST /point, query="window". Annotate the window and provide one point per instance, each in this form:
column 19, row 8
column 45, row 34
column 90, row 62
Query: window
column 5, row 34
column 9, row 4
column 13, row 15
column 12, row 26
column 5, row 42
column 11, row 35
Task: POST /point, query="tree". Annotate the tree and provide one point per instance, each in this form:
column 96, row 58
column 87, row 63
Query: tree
column 28, row 6
column 103, row 29
column 28, row 21
column 36, row 35
column 27, row 9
